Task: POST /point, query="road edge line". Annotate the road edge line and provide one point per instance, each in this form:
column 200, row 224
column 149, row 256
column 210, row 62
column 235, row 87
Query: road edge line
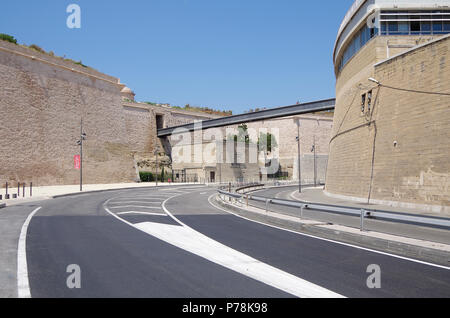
column 328, row 240
column 23, row 284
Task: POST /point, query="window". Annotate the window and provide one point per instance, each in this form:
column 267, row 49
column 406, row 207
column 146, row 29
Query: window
column 383, row 28
column 437, row 26
column 400, row 22
column 159, row 121
column 426, row 28
column 446, row 26
column 415, row 27
column 363, row 102
column 403, row 28
column 369, row 100
column 393, row 27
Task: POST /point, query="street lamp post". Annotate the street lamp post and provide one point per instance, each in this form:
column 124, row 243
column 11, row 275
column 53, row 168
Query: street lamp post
column 80, row 143
column 315, row 163
column 299, row 158
column 156, row 154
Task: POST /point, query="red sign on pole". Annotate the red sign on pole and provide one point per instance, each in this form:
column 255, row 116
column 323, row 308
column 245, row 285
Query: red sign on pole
column 77, row 162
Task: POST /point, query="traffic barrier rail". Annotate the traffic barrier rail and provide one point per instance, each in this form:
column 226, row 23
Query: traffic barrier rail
column 430, row 221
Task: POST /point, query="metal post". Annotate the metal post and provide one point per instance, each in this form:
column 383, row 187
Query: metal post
column 363, row 212
column 315, row 163
column 18, row 189
column 81, row 156
column 246, row 198
column 301, row 211
column 6, row 194
column 31, row 189
column 267, row 206
column 23, row 190
column 299, row 158
column 156, row 154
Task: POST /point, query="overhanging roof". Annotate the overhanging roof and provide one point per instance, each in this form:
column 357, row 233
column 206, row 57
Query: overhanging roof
column 306, row 108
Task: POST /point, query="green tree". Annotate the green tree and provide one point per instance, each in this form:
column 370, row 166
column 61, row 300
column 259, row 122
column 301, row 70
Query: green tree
column 242, row 135
column 267, row 142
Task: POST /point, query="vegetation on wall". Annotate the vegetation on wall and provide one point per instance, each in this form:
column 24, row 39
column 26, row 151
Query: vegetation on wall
column 199, row 109
column 9, row 38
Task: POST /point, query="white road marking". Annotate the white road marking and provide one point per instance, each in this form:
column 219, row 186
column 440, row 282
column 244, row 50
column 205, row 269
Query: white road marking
column 205, row 247
column 146, row 197
column 143, row 213
column 23, row 284
column 135, row 206
column 328, row 240
column 192, row 241
column 138, row 202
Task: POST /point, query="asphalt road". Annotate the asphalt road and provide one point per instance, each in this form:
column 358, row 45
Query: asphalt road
column 172, row 242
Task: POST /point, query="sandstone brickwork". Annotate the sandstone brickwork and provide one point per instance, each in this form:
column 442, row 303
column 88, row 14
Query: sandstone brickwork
column 395, row 151
column 42, row 101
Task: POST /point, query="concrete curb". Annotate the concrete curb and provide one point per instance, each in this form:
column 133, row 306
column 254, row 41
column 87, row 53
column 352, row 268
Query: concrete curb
column 383, row 245
column 118, row 189
column 95, row 191
column 73, row 194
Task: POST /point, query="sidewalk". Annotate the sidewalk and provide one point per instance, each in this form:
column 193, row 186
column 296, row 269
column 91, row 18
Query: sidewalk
column 317, row 195
column 49, row 192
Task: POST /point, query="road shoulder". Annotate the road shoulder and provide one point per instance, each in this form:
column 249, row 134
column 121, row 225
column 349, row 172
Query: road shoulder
column 435, row 253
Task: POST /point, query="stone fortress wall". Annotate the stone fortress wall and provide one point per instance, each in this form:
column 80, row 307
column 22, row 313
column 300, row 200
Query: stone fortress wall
column 42, row 100
column 395, row 151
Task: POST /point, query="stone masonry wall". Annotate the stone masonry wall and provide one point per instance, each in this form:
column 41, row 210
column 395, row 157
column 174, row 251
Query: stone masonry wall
column 397, row 152
column 42, row 100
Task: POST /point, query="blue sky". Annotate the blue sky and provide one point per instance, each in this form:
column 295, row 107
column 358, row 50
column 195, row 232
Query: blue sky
column 225, row 54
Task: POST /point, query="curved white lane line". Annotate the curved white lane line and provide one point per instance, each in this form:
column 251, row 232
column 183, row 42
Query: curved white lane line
column 327, row 240
column 141, row 213
column 23, row 284
column 201, row 245
column 246, row 265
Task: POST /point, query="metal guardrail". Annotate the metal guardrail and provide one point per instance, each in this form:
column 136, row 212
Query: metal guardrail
column 249, row 187
column 362, row 213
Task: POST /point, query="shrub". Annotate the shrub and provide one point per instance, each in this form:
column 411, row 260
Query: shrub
column 146, row 176
column 9, row 38
column 150, row 176
column 37, row 48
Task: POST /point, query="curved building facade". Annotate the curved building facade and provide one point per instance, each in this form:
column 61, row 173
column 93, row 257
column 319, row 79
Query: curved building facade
column 391, row 135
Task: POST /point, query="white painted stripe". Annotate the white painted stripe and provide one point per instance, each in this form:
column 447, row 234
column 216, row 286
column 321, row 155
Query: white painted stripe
column 144, row 196
column 23, row 285
column 328, row 240
column 143, row 213
column 138, row 202
column 205, row 247
column 135, row 206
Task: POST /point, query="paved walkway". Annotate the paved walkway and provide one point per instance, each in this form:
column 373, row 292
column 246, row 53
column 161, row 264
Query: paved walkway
column 317, row 195
column 48, row 192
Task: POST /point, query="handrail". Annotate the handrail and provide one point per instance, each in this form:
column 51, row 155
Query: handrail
column 366, row 213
